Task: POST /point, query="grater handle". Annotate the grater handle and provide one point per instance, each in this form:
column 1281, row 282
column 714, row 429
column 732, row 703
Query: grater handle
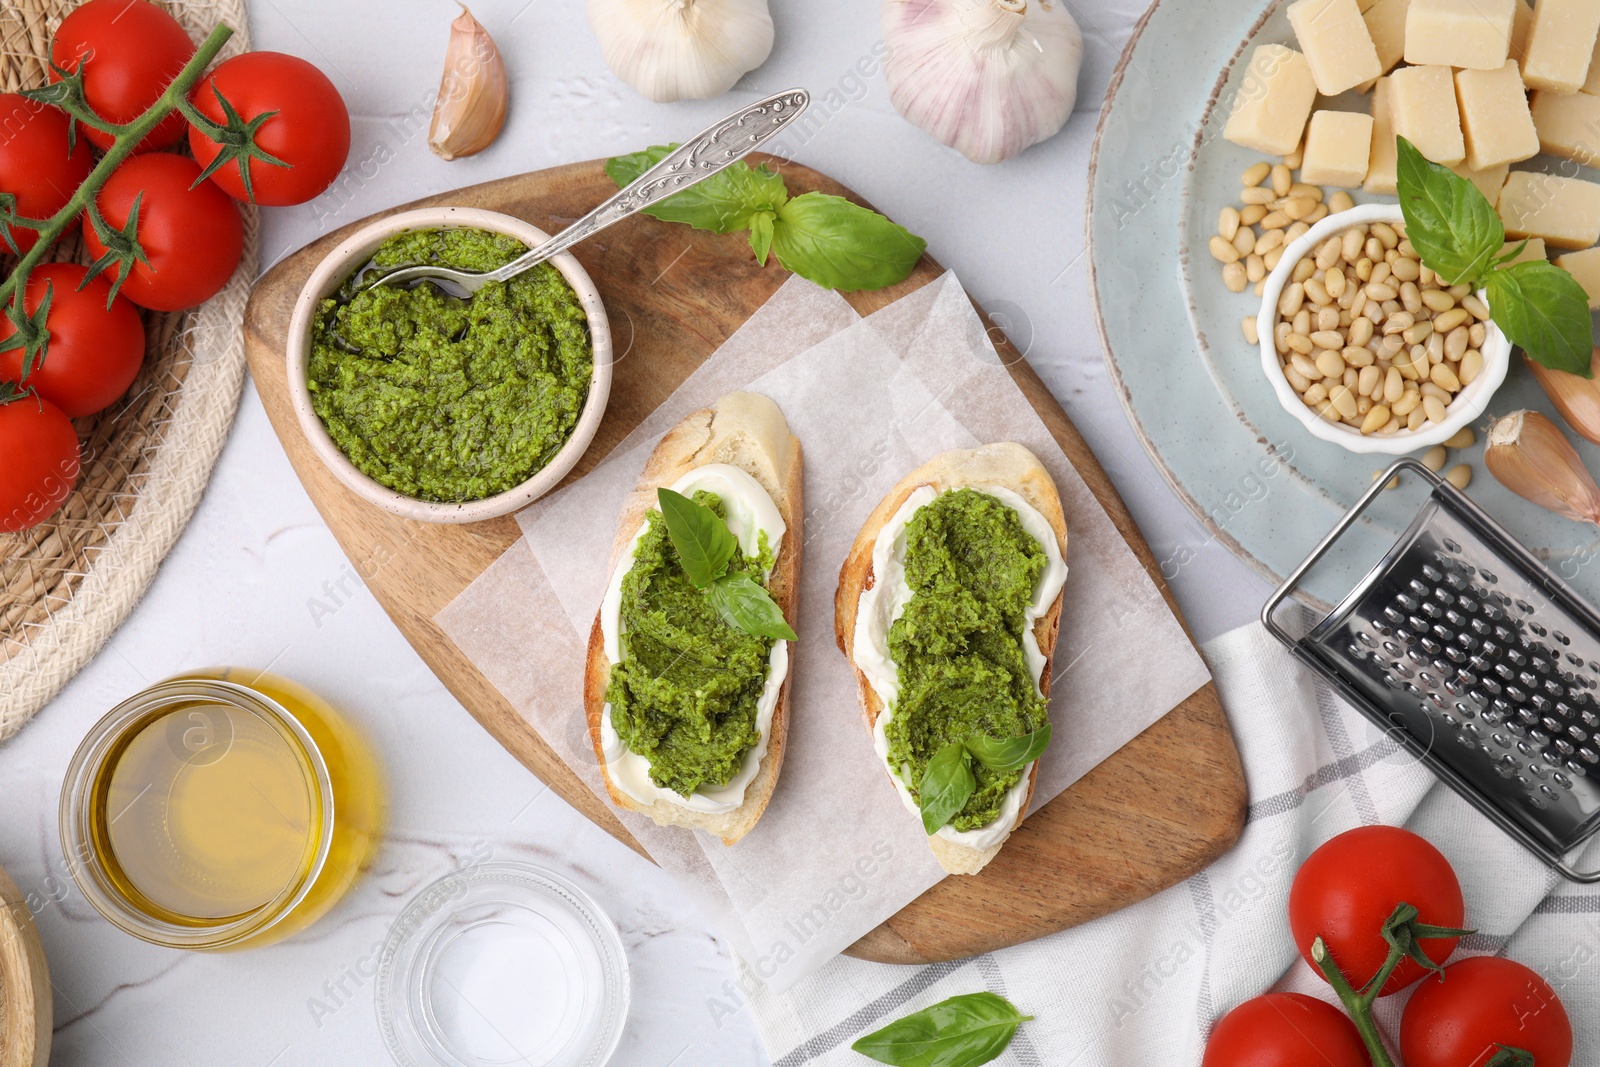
column 1573, row 875
column 1284, row 591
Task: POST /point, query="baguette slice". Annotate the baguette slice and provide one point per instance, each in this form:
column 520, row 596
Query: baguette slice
column 745, row 430
column 1006, row 465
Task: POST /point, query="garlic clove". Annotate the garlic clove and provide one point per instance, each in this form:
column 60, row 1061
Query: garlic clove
column 473, row 92
column 1577, row 399
column 1528, row 455
column 986, row 77
column 682, row 49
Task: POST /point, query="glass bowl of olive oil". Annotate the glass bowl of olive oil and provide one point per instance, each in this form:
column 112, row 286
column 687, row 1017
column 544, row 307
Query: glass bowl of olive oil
column 222, row 809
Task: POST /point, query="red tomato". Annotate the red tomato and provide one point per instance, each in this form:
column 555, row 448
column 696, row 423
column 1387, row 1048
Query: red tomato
column 310, row 132
column 1349, row 886
column 1285, row 1030
column 192, row 237
column 38, row 461
column 35, row 164
column 1460, row 1018
column 134, row 49
column 94, row 353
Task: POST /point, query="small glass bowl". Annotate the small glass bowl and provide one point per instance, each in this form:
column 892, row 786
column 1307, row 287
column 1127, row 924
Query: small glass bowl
column 502, row 963
column 343, row 803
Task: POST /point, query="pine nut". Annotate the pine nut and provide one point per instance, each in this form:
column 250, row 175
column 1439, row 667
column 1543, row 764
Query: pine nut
column 1223, row 251
column 1233, row 276
column 1228, row 223
column 1459, row 476
column 1459, row 291
column 1350, row 249
column 1368, row 381
column 1328, row 411
column 1295, row 158
column 1304, row 269
column 1340, row 201
column 1281, row 179
column 1244, row 241
column 1434, row 407
column 1275, row 220
column 1462, row 438
column 1434, row 458
column 1334, row 283
column 1357, row 356
column 1375, row 290
column 1444, row 378
column 1364, row 267
column 1435, row 347
column 1471, row 366
column 1248, row 325
column 1475, row 335
column 1409, row 401
column 1430, row 389
column 1438, row 300
column 1306, row 189
column 1393, row 387
column 1280, row 335
column 1316, row 393
column 1329, row 253
column 1344, row 401
column 1330, row 363
column 1479, row 310
column 1451, row 318
column 1381, row 272
column 1302, row 363
column 1360, row 330
column 1427, row 277
column 1385, row 233
column 1377, row 418
column 1406, row 270
column 1265, row 243
column 1251, row 214
column 1374, row 249
column 1299, row 207
column 1410, row 295
column 1363, row 405
column 1399, row 322
column 1317, row 292
column 1298, row 381
column 1328, row 339
column 1254, row 268
column 1416, row 334
column 1301, row 344
column 1255, row 174
column 1296, row 231
column 1455, row 344
column 1272, row 258
column 1294, row 295
column 1302, row 321
column 1415, row 420
column 1257, row 195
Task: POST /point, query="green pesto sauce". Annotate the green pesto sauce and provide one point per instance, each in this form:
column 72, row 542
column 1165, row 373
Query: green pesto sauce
column 972, row 568
column 684, row 695
column 445, row 399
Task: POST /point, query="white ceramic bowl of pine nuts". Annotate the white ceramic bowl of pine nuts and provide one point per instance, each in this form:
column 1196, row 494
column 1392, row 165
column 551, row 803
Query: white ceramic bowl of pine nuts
column 1366, row 347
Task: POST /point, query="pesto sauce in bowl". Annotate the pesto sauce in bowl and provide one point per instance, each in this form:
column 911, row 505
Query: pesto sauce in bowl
column 446, row 399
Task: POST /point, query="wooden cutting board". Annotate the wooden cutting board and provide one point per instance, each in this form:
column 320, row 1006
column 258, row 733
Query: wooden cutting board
column 1154, row 813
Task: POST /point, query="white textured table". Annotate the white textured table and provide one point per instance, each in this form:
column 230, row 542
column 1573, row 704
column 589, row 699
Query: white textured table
column 258, row 580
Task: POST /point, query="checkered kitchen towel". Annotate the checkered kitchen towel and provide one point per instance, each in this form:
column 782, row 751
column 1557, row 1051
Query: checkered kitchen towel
column 1145, row 985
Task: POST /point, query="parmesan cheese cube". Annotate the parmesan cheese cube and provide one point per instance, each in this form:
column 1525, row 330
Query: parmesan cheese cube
column 1273, row 102
column 1569, row 126
column 1561, row 44
column 1564, row 211
column 1533, row 250
column 1592, row 86
column 1386, row 24
column 1584, row 266
column 1338, row 147
column 1336, row 43
column 1494, row 117
column 1382, row 161
column 1422, row 101
column 1460, row 33
column 1489, row 182
column 1521, row 23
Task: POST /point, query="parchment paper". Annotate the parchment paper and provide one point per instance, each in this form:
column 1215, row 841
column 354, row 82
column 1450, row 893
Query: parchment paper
column 836, row 853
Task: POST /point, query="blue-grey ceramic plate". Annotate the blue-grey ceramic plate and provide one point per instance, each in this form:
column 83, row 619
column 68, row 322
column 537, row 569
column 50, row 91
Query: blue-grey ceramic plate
column 1192, row 385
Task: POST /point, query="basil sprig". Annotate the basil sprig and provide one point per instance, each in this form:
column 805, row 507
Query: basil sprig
column 705, row 547
column 1458, row 235
column 823, row 238
column 948, row 782
column 963, row 1031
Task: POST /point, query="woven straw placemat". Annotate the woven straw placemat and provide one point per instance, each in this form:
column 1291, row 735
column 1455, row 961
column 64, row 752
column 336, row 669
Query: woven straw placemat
column 66, row 585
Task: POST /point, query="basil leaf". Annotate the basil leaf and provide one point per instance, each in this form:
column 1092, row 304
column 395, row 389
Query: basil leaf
column 946, row 786
column 723, row 203
column 1544, row 310
column 840, row 245
column 963, row 1031
column 761, row 235
column 743, row 604
column 702, row 539
column 1010, row 754
column 1448, row 221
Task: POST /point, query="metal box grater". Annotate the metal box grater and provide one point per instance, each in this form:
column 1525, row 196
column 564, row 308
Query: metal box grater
column 1467, row 651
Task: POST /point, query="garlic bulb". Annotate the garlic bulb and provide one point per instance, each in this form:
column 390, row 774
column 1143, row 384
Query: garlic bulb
column 1528, row 455
column 682, row 49
column 986, row 77
column 471, row 106
column 1577, row 399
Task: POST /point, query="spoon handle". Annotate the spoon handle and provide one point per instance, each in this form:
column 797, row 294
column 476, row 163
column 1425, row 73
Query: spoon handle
column 725, row 141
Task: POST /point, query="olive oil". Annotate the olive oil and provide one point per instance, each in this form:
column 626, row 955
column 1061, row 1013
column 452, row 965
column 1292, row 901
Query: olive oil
column 220, row 809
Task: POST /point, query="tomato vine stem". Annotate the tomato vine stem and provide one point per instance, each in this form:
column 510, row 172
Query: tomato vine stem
column 128, row 136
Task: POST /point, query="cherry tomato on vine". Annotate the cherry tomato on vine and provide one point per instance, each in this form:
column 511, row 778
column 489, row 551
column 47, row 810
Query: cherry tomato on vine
column 38, row 459
column 310, row 132
column 36, row 166
column 1462, row 1017
column 192, row 237
column 1352, row 883
column 1285, row 1030
column 94, row 352
column 134, row 50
